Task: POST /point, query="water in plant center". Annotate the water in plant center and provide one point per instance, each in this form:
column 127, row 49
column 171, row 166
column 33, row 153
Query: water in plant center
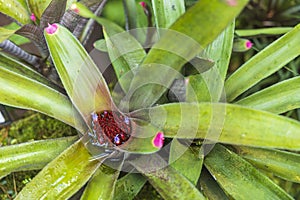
column 114, row 125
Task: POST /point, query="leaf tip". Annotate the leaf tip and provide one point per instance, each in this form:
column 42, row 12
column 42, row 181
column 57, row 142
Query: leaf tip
column 51, row 29
column 158, row 140
column 231, row 2
column 186, row 81
column 81, row 10
column 242, row 45
column 75, row 8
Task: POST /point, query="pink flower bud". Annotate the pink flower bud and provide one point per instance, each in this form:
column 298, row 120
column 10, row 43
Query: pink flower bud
column 74, row 8
column 249, row 44
column 241, row 45
column 143, row 4
column 32, row 17
column 51, row 29
column 158, row 140
column 231, row 2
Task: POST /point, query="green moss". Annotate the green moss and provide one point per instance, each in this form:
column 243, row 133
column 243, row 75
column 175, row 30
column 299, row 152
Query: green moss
column 13, row 183
column 148, row 192
column 34, row 127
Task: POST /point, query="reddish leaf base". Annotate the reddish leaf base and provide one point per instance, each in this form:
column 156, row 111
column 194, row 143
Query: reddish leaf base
column 114, row 125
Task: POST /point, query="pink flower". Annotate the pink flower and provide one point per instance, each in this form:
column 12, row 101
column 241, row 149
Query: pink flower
column 231, row 2
column 249, row 44
column 143, row 4
column 51, row 29
column 32, row 17
column 158, row 140
column 74, row 8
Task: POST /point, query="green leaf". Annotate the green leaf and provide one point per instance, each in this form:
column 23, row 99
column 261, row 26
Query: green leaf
column 239, row 179
column 80, row 76
column 187, row 37
column 136, row 21
column 226, row 123
column 18, row 67
column 197, row 89
column 263, row 31
column 278, row 98
column 64, row 176
column 20, row 90
column 241, row 45
column 282, row 163
column 141, row 139
column 16, row 9
column 130, row 14
column 101, row 45
column 102, row 184
column 198, row 65
column 6, row 33
column 263, row 64
column 38, row 6
column 209, row 86
column 167, row 181
column 17, row 39
column 53, row 13
column 31, row 155
column 167, row 12
column 182, row 156
column 210, row 187
column 129, row 186
column 125, row 53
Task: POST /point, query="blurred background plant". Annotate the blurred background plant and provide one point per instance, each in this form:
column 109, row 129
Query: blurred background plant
column 267, row 14
column 25, row 30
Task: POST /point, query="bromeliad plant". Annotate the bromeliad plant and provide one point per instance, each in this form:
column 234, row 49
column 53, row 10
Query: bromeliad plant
column 133, row 132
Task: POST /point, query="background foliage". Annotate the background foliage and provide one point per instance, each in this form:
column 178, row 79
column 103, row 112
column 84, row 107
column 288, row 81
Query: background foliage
column 258, row 14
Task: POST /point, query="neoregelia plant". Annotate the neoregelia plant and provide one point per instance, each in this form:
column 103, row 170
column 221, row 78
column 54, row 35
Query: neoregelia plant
column 207, row 145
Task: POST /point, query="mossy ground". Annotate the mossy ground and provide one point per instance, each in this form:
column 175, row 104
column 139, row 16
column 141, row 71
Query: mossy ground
column 33, row 127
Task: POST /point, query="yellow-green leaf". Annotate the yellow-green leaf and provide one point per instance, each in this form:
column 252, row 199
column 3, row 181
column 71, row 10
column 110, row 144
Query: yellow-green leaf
column 278, row 98
column 6, row 33
column 227, row 123
column 263, row 64
column 79, row 74
column 239, row 179
column 16, row 9
column 62, row 177
column 31, row 155
column 187, row 37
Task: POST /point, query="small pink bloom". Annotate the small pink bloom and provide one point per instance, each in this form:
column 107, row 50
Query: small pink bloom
column 32, row 17
column 51, row 29
column 74, row 8
column 231, row 2
column 143, row 4
column 249, row 44
column 186, row 81
column 158, row 140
